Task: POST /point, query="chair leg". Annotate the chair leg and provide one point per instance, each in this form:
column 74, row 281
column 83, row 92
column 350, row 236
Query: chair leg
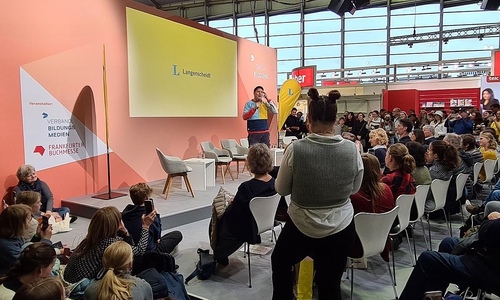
column 188, row 185
column 228, row 168
column 237, row 169
column 430, row 239
column 425, row 236
column 166, row 184
column 222, row 173
column 409, row 249
column 414, row 245
column 393, row 263
column 393, row 282
column 448, row 224
column 216, row 170
column 352, row 277
column 249, row 272
column 169, row 185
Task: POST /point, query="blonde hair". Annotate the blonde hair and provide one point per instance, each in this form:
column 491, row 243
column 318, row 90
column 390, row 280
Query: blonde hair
column 492, row 144
column 116, row 262
column 29, row 198
column 104, row 224
column 380, row 136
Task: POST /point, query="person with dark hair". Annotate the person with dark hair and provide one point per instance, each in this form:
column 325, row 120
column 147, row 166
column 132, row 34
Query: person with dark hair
column 132, row 219
column 350, row 119
column 405, row 126
column 359, row 129
column 105, row 228
column 400, row 165
column 388, row 126
column 292, row 125
column 34, row 263
column 462, row 124
column 495, row 123
column 342, row 125
column 373, row 197
column 446, row 164
column 421, row 172
column 488, row 99
column 417, row 135
column 374, row 120
column 320, row 172
column 256, row 113
column 14, row 221
column 237, row 225
column 50, row 288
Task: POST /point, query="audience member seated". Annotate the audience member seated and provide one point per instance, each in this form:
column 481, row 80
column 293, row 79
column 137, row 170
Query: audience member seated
column 33, row 200
column 405, row 126
column 50, row 288
column 35, row 262
column 378, row 141
column 487, row 146
column 477, row 267
column 14, row 221
column 351, row 137
column 446, row 164
column 105, row 228
column 400, row 164
column 237, row 225
column 469, row 146
column 132, row 219
column 421, row 173
column 429, row 134
column 417, row 135
column 28, row 181
column 373, row 197
column 117, row 283
column 438, row 124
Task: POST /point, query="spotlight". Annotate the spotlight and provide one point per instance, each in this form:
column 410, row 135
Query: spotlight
column 480, row 37
column 445, row 41
column 410, row 45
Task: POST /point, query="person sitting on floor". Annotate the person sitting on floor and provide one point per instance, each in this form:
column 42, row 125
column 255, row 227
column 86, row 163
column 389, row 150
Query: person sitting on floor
column 14, row 221
column 117, row 283
column 478, row 267
column 28, row 181
column 35, row 262
column 50, row 288
column 105, row 228
column 237, row 225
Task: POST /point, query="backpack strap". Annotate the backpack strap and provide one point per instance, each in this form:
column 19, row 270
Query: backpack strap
column 192, row 275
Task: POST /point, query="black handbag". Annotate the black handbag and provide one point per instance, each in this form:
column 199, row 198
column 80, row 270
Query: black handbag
column 205, row 266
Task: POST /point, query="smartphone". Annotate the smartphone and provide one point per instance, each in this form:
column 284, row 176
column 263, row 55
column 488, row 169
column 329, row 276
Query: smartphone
column 434, row 295
column 149, row 205
column 45, row 223
column 58, row 245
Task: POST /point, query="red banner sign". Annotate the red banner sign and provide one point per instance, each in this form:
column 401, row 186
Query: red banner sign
column 305, row 76
column 492, row 78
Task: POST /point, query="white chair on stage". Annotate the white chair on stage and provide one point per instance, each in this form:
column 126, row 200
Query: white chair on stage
column 222, row 158
column 174, row 167
column 237, row 152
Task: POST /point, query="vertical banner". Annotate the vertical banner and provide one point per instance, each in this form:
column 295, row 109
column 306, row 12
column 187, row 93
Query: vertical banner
column 490, row 91
column 289, row 94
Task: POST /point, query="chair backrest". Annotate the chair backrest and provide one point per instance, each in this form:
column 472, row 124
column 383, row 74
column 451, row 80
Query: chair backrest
column 373, row 230
column 263, row 210
column 439, row 190
column 171, row 164
column 420, row 198
column 207, row 146
column 404, row 202
column 288, row 139
column 489, row 169
column 244, row 142
column 477, row 169
column 460, row 184
column 232, row 146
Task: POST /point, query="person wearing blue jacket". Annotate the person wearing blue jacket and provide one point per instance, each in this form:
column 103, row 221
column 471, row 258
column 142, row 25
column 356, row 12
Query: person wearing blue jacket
column 132, row 219
column 462, row 124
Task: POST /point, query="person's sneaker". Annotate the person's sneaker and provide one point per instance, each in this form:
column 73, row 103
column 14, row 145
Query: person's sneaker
column 73, row 219
column 474, row 209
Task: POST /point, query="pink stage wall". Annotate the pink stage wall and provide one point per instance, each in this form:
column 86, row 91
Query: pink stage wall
column 60, row 46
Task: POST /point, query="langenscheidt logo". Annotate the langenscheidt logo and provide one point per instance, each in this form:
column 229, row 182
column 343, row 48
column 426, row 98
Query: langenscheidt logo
column 197, row 73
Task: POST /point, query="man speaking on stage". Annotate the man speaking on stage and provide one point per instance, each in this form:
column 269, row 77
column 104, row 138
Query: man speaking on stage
column 255, row 113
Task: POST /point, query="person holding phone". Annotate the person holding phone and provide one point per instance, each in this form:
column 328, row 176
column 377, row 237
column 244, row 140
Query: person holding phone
column 140, row 194
column 256, row 112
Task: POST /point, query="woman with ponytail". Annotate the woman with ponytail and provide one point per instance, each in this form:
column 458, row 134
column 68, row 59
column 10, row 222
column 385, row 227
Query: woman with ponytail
column 35, row 263
column 117, row 283
column 321, row 172
column 400, row 164
column 446, row 164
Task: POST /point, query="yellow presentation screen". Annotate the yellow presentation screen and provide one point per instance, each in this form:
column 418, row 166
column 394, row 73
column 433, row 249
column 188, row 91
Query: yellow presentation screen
column 179, row 71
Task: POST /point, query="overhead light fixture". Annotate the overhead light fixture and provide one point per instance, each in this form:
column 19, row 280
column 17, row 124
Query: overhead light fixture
column 445, row 41
column 410, row 45
column 349, row 73
column 363, row 72
column 480, row 37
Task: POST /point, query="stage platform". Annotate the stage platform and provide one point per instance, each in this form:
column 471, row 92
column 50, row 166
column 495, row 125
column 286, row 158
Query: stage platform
column 179, row 209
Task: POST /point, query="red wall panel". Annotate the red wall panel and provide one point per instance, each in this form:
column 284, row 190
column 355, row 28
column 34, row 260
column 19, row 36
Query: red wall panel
column 446, row 95
column 404, row 99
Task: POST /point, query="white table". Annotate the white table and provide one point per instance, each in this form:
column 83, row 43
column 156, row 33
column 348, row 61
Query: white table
column 278, row 155
column 203, row 173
